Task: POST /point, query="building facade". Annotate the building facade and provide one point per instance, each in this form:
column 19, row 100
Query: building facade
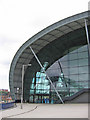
column 63, row 51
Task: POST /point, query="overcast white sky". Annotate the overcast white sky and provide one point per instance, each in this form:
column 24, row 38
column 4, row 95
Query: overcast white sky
column 21, row 19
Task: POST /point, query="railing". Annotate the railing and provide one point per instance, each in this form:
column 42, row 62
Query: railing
column 6, row 105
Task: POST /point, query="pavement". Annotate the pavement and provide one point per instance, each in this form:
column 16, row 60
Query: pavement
column 47, row 111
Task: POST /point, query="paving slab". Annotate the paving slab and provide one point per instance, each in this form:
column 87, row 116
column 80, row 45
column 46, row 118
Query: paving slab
column 47, row 111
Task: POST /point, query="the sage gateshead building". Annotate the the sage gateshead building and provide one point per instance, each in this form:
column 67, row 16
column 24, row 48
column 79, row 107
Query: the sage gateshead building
column 53, row 66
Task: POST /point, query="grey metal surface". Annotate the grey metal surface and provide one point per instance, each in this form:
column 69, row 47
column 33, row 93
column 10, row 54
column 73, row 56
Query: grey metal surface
column 39, row 43
column 80, row 97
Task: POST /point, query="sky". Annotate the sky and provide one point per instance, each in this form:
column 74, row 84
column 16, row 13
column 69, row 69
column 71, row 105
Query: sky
column 21, row 19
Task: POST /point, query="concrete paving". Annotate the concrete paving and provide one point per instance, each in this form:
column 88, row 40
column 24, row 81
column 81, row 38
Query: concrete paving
column 0, row 114
column 47, row 111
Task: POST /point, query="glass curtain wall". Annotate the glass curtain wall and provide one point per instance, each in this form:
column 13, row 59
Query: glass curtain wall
column 69, row 75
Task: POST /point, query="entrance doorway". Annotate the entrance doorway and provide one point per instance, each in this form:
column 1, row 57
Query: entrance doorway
column 39, row 98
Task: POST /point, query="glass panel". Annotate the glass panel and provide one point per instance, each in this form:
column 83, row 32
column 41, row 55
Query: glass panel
column 31, row 99
column 83, row 62
column 83, row 69
column 55, row 72
column 73, row 77
column 83, row 77
column 66, row 71
column 73, row 70
column 31, row 91
column 83, row 84
column 73, row 56
column 64, row 64
column 73, row 63
column 83, row 55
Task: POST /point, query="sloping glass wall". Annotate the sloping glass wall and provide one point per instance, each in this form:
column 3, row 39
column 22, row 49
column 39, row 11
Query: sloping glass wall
column 69, row 75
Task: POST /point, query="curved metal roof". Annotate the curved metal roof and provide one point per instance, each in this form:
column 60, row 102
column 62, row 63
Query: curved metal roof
column 40, row 41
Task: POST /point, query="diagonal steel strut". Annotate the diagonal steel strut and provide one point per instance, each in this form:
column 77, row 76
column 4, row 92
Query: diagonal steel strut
column 87, row 34
column 46, row 74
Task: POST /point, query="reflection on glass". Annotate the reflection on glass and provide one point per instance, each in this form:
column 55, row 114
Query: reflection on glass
column 68, row 78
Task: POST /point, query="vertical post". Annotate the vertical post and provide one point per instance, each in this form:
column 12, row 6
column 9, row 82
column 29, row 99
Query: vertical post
column 22, row 87
column 50, row 95
column 35, row 88
column 22, row 84
column 46, row 74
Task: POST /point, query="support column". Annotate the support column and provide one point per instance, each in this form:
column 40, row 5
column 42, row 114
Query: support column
column 35, row 88
column 50, row 94
column 22, row 87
